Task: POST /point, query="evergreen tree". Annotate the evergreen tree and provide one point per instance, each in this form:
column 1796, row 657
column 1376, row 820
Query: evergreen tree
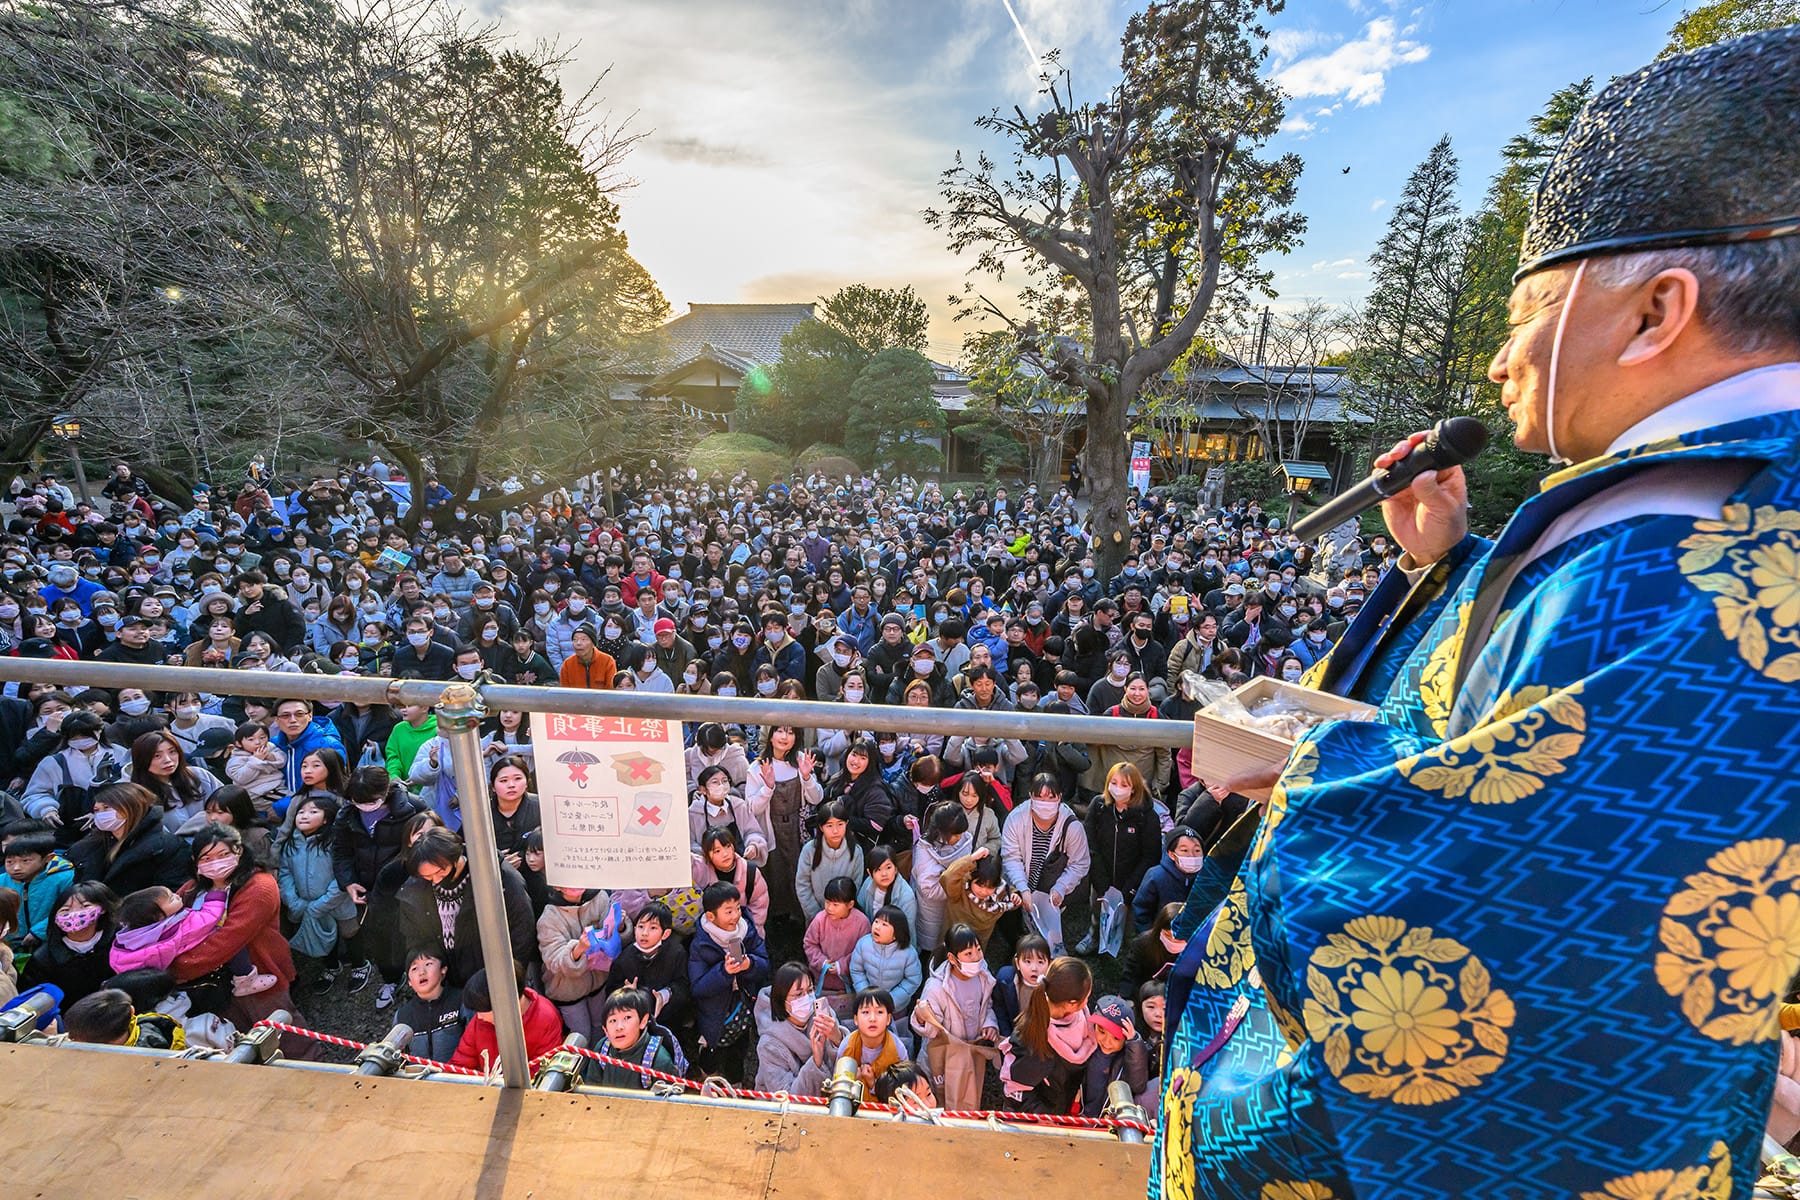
column 892, row 409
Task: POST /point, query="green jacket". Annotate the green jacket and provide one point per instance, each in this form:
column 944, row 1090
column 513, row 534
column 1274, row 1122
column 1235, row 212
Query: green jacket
column 403, row 746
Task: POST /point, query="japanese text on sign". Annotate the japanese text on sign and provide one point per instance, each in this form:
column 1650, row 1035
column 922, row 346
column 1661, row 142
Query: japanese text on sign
column 612, row 792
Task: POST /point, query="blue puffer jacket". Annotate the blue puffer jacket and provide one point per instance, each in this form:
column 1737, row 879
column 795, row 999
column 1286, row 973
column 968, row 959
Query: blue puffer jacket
column 893, row 966
column 310, row 894
column 39, row 897
column 716, row 991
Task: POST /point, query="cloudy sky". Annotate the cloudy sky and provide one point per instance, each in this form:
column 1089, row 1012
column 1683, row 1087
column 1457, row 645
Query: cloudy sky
column 791, row 144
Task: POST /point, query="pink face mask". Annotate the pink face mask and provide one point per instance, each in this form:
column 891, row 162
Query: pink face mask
column 78, row 919
column 217, row 869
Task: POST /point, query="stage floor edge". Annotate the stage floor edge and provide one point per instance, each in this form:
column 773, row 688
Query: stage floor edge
column 82, row 1124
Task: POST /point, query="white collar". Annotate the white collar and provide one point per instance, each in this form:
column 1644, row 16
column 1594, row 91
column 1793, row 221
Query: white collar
column 1754, row 393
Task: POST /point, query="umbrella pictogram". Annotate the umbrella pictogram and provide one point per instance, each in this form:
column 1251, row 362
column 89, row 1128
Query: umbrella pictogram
column 578, row 761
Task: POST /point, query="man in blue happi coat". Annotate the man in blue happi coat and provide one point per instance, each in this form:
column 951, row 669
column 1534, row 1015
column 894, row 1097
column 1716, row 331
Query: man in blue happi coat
column 1526, row 935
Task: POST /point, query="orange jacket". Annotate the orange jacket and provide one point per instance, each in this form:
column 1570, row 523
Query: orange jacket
column 597, row 674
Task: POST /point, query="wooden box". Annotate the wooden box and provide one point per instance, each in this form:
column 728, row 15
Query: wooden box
column 1225, row 750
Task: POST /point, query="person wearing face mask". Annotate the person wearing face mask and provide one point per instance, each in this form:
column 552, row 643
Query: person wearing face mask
column 717, row 804
column 559, row 629
column 779, row 649
column 76, row 955
column 62, row 786
column 252, row 924
column 65, row 583
column 368, row 835
column 955, row 1018
column 840, row 656
column 324, row 918
column 1043, row 847
column 128, row 848
column 796, row 1034
column 1124, row 838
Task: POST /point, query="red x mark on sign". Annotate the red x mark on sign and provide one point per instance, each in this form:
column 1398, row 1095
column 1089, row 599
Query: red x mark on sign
column 640, row 768
column 648, row 815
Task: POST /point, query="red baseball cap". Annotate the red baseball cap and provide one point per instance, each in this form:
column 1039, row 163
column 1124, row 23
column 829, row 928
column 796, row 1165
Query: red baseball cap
column 663, row 625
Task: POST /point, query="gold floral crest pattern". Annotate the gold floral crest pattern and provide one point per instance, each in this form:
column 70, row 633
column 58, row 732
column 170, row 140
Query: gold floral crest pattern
column 1297, row 1191
column 1437, row 678
column 1298, row 774
column 1404, row 1014
column 1229, row 956
column 1731, row 940
column 1530, row 736
column 1751, row 567
column 1178, row 1133
column 1711, row 1180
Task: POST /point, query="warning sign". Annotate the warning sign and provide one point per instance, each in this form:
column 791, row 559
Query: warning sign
column 613, row 816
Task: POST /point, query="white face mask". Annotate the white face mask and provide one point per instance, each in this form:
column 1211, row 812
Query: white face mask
column 853, row 695
column 1292, row 674
column 840, row 658
column 800, row 1008
column 1045, row 809
column 186, row 712
column 107, row 819
column 922, row 666
column 418, row 639
column 83, row 744
column 468, row 670
column 541, row 608
column 1121, row 790
column 765, row 687
column 968, row 970
column 727, row 690
column 1121, row 671
column 1190, row 863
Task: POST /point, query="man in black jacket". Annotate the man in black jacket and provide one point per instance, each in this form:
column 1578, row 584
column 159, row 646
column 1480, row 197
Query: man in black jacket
column 268, row 610
column 438, row 910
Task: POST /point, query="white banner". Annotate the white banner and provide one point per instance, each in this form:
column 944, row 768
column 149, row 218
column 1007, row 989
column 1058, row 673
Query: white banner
column 614, row 797
column 1140, row 467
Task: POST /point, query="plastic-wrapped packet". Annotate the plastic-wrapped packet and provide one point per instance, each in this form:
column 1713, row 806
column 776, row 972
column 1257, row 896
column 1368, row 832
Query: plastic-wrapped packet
column 1283, row 714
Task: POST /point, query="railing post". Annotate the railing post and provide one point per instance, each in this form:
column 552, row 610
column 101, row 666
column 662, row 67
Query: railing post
column 459, row 714
column 387, row 1056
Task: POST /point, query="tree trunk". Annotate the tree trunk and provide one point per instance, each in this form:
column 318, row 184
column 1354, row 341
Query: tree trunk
column 1108, row 456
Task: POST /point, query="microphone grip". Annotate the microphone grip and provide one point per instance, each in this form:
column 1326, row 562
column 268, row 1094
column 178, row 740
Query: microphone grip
column 1450, row 443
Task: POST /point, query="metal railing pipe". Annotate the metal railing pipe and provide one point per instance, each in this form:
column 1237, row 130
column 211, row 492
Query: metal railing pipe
column 737, row 710
column 459, row 722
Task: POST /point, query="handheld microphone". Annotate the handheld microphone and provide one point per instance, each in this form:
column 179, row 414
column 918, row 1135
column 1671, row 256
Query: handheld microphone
column 1450, row 443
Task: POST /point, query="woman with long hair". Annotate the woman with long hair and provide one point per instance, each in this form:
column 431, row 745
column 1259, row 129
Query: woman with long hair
column 783, row 790
column 160, row 766
column 129, row 848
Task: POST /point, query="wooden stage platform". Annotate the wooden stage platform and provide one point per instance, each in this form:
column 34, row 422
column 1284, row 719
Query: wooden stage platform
column 80, row 1123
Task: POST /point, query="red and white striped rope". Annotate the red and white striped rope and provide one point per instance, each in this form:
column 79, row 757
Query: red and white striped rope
column 1107, row 1124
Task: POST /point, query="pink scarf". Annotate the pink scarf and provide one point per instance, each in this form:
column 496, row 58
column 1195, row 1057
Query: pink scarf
column 1072, row 1039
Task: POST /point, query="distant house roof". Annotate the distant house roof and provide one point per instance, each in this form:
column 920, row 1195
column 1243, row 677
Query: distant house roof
column 1237, row 392
column 740, row 336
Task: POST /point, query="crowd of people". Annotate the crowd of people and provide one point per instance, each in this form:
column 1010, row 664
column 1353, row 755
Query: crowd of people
column 171, row 855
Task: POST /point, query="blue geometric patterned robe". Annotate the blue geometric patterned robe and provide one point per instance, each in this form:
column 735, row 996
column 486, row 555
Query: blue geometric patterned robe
column 1524, row 936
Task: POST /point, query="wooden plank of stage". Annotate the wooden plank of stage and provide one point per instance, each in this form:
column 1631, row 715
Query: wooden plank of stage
column 81, row 1124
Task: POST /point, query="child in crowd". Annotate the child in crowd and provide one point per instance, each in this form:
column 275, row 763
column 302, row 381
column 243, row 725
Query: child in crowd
column 909, row 1076
column 656, row 962
column 1046, row 1056
column 872, row 1045
column 830, row 853
column 719, row 861
column 579, row 936
column 976, row 893
column 939, row 840
column 727, row 963
column 258, row 766
column 322, row 914
column 1016, row 982
column 1150, row 954
column 956, row 1015
column 1119, row 1053
column 479, row 1048
column 632, row 1034
column 1172, row 878
column 795, row 1034
column 1153, row 1007
column 884, row 958
column 106, row 1018
column 155, row 929
column 41, row 876
column 531, row 870
column 831, row 938
column 434, row 1012
column 886, row 885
